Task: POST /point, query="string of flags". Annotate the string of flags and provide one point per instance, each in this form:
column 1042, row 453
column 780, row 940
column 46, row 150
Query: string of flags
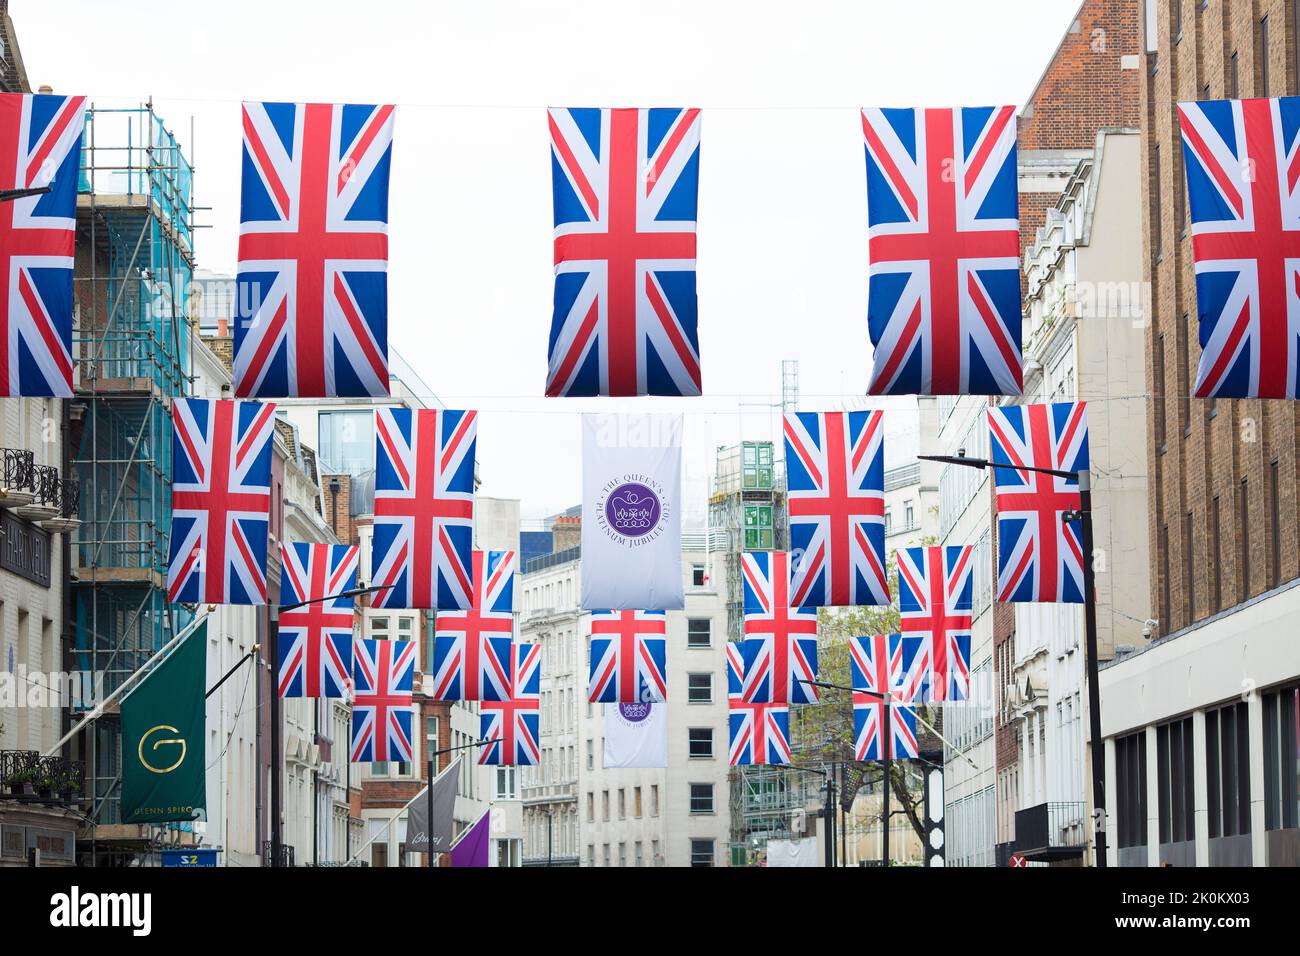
column 944, row 307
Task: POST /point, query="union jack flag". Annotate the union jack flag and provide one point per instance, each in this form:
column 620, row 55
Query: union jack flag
column 625, row 184
column 41, row 136
column 514, row 724
column 316, row 639
column 469, row 663
column 383, row 711
column 835, row 465
column 312, row 303
column 1040, row 556
column 627, row 657
column 934, row 599
column 221, row 501
column 759, row 733
column 943, row 302
column 424, row 508
column 876, row 669
column 780, row 645
column 1243, row 167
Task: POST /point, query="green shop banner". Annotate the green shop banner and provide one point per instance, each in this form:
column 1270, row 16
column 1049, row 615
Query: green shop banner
column 163, row 758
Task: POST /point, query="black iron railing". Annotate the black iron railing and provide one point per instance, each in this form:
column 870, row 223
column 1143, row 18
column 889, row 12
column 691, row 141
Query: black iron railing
column 1050, row 826
column 18, row 468
column 42, row 482
column 286, row 854
column 26, row 775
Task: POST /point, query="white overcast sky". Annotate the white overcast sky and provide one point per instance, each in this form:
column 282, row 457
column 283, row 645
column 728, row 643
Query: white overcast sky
column 782, row 230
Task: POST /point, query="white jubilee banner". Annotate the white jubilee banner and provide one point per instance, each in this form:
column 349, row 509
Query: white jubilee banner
column 631, row 513
column 636, row 735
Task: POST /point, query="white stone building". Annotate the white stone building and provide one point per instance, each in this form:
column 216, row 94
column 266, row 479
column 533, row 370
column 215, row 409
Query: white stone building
column 1083, row 337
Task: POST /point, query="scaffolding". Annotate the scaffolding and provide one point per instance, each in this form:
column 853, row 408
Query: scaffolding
column 134, row 266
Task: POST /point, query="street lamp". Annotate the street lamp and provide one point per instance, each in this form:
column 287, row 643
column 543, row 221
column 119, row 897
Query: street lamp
column 273, row 655
column 1084, row 516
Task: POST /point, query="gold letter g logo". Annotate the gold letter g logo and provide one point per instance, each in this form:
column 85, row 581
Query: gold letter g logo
column 158, row 743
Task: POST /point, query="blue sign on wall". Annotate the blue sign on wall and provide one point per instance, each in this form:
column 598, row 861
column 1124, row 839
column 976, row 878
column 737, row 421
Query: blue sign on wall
column 189, row 857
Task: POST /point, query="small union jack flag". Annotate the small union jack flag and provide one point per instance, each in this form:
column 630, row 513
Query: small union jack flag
column 934, row 600
column 383, row 711
column 1040, row 556
column 40, row 146
column 424, row 508
column 469, row 662
column 780, row 645
column 312, row 305
column 1243, row 168
column 514, row 725
column 943, row 299
column 628, row 657
column 835, row 465
column 315, row 640
column 625, row 183
column 759, row 733
column 221, row 501
column 876, row 666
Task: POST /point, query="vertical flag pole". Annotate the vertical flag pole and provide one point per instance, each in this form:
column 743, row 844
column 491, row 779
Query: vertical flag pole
column 428, row 837
column 273, row 659
column 1097, row 745
column 887, row 747
column 828, row 818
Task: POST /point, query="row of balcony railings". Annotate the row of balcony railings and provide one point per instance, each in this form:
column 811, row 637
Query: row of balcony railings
column 28, row 777
column 38, row 493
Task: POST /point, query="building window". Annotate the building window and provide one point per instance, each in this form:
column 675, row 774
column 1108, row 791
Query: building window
column 698, row 577
column 591, row 854
column 1216, row 557
column 431, row 742
column 1263, row 57
column 622, row 854
column 1244, row 520
column 347, row 441
column 604, row 804
column 889, row 520
column 1157, row 240
column 640, row 853
column 1234, row 89
column 701, row 852
column 636, row 802
column 505, row 784
column 1281, row 759
column 604, row 853
column 701, row 798
column 1275, row 526
column 1175, row 776
column 591, row 807
column 1165, row 606
column 699, row 632
column 591, row 755
column 1189, row 569
column 1227, row 770
column 622, row 804
column 908, row 515
column 1158, row 373
column 1131, row 781
column 654, row 799
column 1184, row 362
column 699, row 688
column 700, row 743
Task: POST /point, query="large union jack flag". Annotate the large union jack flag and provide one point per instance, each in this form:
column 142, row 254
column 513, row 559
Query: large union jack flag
column 471, row 648
column 628, row 651
column 943, row 302
column 1243, row 168
column 514, row 725
column 1040, row 556
column 312, row 306
column 40, row 146
column 934, row 600
column 424, row 508
column 625, row 183
column 876, row 666
column 383, row 710
column 759, row 733
column 315, row 642
column 835, row 465
column 780, row 645
column 221, row 501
